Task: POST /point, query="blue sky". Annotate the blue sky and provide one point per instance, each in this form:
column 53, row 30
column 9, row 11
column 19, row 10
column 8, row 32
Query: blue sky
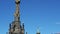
column 44, row 14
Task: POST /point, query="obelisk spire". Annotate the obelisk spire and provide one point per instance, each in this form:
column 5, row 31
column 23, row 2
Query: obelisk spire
column 17, row 12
